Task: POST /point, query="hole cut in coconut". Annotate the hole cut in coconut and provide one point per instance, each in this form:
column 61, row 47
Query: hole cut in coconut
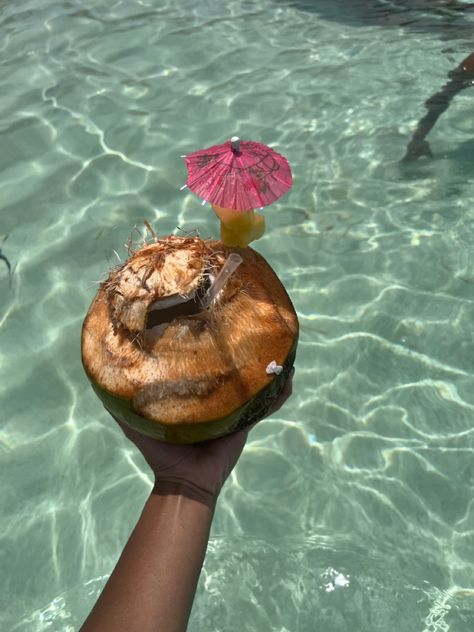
column 163, row 311
column 166, row 309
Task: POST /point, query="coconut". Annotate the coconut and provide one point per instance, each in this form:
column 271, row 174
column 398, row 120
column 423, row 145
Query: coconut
column 174, row 357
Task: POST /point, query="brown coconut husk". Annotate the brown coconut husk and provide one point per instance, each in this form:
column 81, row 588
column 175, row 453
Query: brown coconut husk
column 188, row 372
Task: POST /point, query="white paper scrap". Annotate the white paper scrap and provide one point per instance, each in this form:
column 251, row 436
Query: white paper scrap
column 274, row 368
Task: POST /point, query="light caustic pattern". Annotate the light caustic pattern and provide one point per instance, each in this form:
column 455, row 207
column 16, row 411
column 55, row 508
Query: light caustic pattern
column 352, row 506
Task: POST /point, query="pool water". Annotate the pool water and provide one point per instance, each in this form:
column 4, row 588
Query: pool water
column 350, row 509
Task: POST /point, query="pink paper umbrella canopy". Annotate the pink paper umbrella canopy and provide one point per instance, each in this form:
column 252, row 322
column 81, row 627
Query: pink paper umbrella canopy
column 238, row 175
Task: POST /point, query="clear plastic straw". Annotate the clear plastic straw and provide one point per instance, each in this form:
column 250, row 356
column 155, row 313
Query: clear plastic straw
column 232, row 262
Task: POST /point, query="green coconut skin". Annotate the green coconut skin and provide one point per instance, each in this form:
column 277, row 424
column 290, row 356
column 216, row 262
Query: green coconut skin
column 248, row 414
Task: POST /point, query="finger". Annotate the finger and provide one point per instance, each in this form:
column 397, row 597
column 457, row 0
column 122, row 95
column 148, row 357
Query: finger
column 288, row 387
column 132, row 435
column 127, row 431
column 226, row 451
column 285, row 393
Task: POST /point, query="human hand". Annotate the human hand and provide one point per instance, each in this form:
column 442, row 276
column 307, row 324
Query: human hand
column 196, row 470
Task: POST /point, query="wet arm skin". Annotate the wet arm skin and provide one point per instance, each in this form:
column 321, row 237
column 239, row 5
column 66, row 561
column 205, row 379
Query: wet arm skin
column 153, row 584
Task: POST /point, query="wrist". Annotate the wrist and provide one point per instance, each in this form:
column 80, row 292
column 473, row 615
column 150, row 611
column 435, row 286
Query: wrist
column 187, row 489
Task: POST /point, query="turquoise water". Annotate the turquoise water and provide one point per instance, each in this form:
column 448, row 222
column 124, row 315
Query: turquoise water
column 351, row 509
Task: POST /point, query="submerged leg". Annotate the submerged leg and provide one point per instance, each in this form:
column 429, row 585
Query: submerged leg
column 459, row 79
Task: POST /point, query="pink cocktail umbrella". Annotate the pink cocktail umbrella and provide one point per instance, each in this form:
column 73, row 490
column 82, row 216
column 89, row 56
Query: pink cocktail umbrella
column 238, row 175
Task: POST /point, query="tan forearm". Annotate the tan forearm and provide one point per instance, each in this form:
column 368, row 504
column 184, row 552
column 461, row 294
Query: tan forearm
column 152, row 587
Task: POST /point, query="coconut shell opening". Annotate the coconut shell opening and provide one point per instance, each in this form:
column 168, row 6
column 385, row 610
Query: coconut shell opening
column 174, row 367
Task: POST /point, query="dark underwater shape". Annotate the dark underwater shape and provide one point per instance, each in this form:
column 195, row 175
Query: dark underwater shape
column 449, row 19
column 4, row 258
column 460, row 78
